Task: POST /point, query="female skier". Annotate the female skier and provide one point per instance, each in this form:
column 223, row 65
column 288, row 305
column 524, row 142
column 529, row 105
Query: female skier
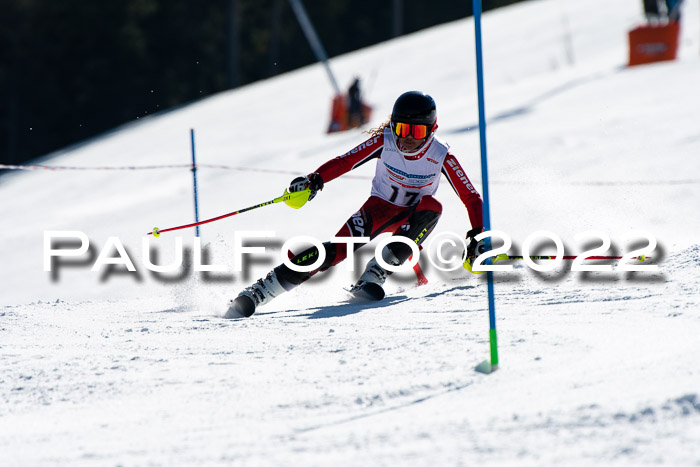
column 410, row 159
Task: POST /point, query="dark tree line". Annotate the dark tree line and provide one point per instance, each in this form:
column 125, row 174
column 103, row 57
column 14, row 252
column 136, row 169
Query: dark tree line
column 71, row 69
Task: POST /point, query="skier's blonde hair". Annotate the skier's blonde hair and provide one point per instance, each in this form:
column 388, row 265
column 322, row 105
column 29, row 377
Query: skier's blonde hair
column 380, row 129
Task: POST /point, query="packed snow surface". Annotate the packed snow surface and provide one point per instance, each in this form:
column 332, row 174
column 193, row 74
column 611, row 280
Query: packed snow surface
column 112, row 367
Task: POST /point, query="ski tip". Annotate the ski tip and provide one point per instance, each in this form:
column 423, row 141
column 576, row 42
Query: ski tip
column 367, row 291
column 241, row 307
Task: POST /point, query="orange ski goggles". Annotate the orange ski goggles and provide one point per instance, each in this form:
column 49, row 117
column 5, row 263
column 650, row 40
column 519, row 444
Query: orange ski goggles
column 402, row 130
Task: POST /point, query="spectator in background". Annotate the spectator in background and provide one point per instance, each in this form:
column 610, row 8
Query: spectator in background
column 662, row 11
column 355, row 105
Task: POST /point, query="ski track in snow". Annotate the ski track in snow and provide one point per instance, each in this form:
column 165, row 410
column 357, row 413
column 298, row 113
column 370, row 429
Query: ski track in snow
column 111, row 368
column 93, row 377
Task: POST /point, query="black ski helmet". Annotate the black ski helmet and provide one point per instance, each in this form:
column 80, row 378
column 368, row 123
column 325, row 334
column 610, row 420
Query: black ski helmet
column 414, row 107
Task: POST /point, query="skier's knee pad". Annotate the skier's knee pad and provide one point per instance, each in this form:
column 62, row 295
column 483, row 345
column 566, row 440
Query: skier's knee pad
column 290, row 278
column 421, row 223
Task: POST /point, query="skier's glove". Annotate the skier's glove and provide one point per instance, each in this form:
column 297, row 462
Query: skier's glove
column 474, row 248
column 312, row 181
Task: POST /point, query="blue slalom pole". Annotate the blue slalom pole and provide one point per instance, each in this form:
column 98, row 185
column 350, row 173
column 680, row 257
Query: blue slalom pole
column 485, row 182
column 194, row 177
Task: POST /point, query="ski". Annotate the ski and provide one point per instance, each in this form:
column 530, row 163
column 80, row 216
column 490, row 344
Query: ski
column 240, row 307
column 366, row 291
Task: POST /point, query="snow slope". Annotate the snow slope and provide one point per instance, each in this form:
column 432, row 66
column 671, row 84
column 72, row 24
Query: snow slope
column 134, row 368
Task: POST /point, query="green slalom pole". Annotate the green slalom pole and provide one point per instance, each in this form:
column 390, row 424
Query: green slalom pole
column 492, row 365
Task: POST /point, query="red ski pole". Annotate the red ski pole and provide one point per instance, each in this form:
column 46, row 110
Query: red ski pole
column 294, row 200
column 567, row 257
column 503, row 257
